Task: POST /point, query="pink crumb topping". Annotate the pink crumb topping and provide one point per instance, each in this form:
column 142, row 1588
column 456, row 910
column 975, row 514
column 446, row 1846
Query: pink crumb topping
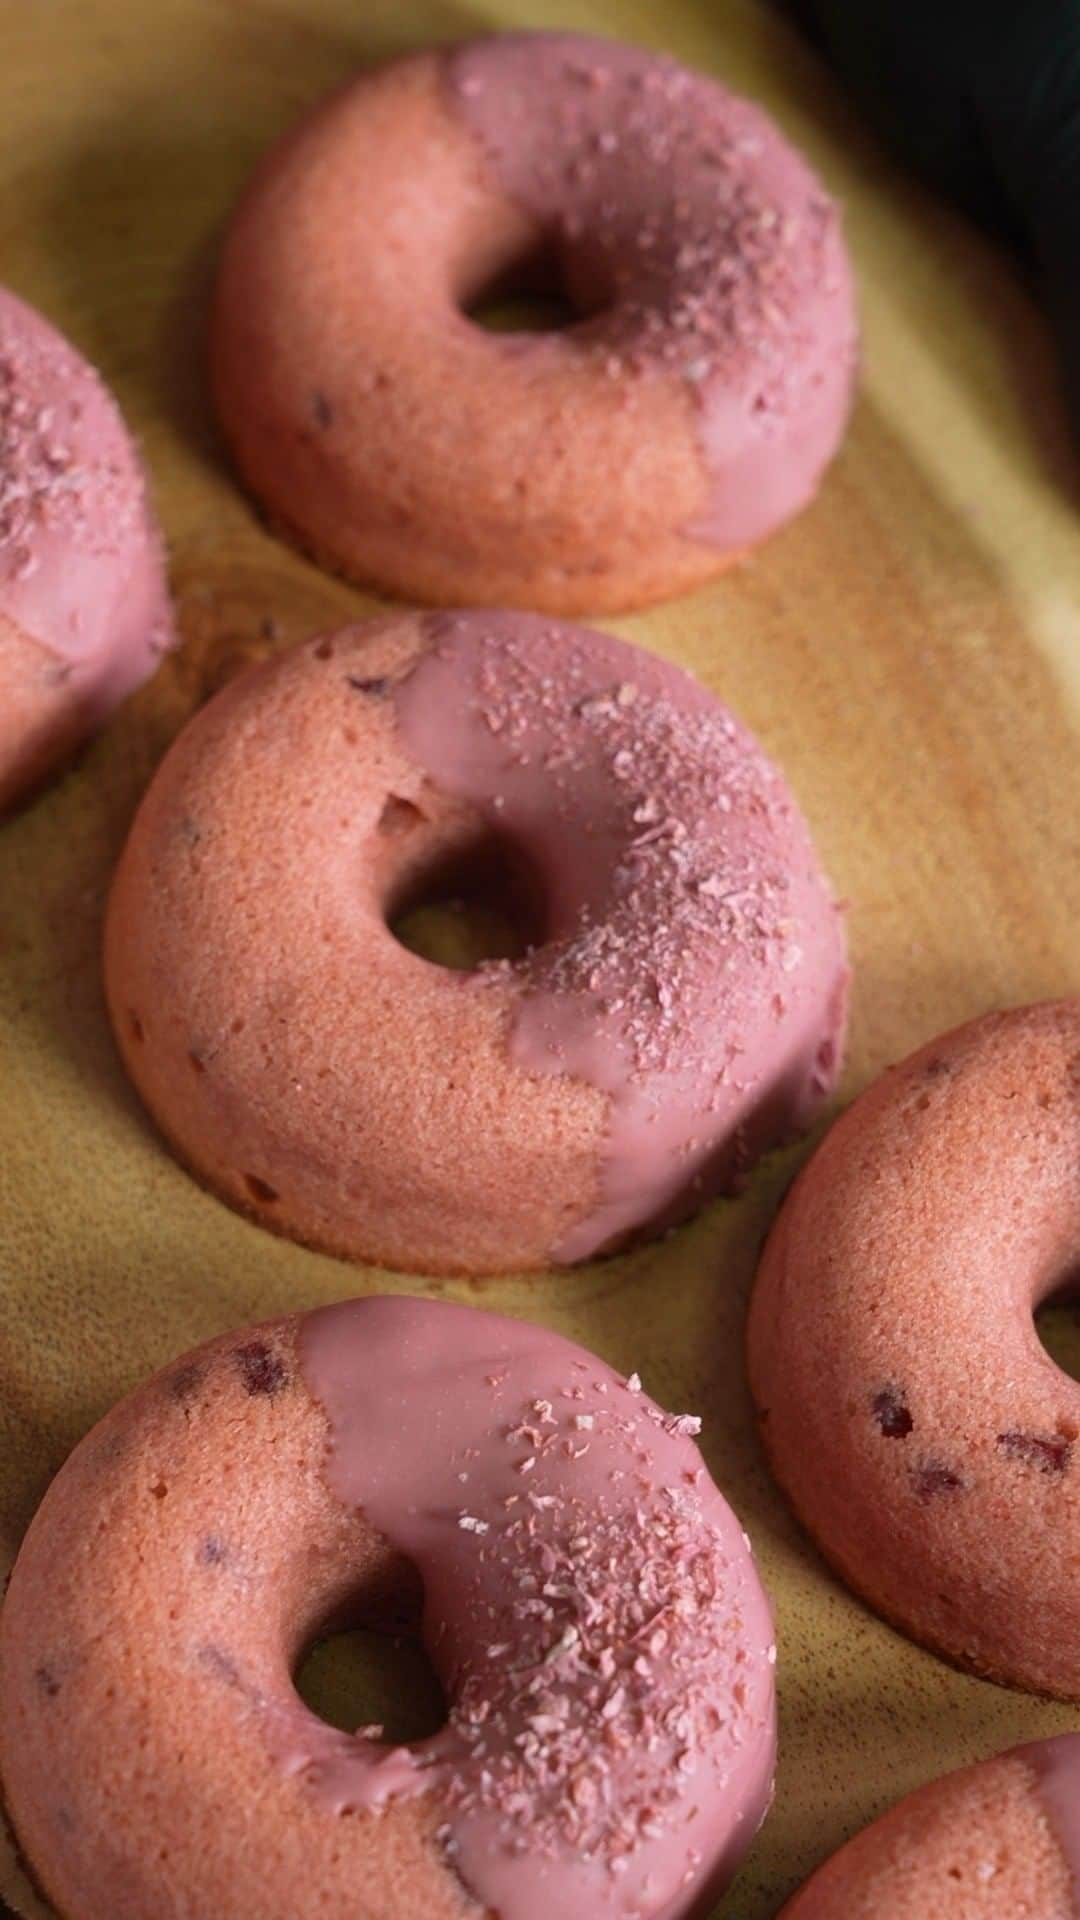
column 81, row 566
column 697, row 238
column 598, row 1625
column 693, row 963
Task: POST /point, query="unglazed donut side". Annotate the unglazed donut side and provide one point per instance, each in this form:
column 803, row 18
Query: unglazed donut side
column 922, row 1433
column 499, row 1182
column 981, row 1844
column 69, row 1672
column 403, row 520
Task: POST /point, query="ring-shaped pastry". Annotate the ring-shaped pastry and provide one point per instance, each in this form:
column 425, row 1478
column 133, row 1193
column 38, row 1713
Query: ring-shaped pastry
column 679, row 1010
column 590, row 1606
column 690, row 409
column 921, row 1430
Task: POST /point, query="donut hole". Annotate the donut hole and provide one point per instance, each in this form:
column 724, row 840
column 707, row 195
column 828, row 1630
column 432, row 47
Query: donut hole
column 475, row 903
column 535, row 291
column 368, row 1668
column 1057, row 1323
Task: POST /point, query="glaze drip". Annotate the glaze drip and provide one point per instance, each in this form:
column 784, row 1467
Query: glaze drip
column 693, row 967
column 710, row 249
column 591, row 1608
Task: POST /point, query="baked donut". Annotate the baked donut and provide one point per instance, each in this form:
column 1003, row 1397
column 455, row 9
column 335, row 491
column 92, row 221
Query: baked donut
column 994, row 1842
column 84, row 611
column 688, row 411
column 590, row 1606
column 925, row 1437
column 681, row 1010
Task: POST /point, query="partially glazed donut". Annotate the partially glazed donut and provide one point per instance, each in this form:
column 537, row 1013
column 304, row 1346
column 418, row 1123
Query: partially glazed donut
column 681, row 1011
column 589, row 1603
column 922, row 1432
column 688, row 412
column 994, row 1842
column 84, row 611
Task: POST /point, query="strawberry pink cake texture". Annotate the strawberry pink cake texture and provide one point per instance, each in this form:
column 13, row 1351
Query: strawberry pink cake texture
column 84, row 609
column 923, row 1433
column 1000, row 1841
column 690, row 408
column 589, row 1603
column 679, row 1011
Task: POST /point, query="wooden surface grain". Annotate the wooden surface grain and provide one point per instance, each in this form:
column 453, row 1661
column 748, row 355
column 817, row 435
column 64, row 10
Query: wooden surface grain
column 908, row 650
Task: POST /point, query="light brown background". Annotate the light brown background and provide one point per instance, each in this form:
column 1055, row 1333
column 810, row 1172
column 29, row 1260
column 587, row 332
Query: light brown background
column 908, row 650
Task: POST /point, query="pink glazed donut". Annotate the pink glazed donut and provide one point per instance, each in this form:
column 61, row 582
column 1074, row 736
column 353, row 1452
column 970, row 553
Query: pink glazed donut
column 689, row 411
column 84, row 611
column 923, row 1433
column 681, row 1010
column 590, row 1606
column 999, row 1841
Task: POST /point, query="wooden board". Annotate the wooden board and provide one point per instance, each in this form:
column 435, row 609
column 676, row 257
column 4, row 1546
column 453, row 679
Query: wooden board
column 908, row 650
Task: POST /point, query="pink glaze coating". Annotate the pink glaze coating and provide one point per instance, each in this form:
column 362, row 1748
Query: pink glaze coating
column 693, row 967
column 713, row 251
column 589, row 1603
column 993, row 1842
column 689, row 410
column 924, row 1434
column 682, row 1011
column 1057, row 1768
column 84, row 611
